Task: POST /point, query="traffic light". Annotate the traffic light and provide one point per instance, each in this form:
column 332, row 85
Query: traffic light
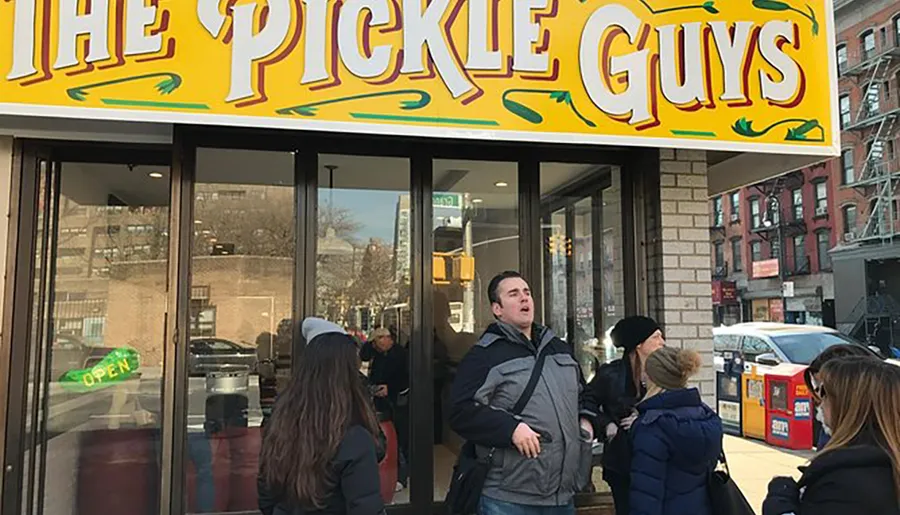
column 464, row 268
column 568, row 246
column 438, row 269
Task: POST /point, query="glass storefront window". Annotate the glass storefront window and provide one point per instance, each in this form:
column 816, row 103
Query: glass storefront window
column 476, row 236
column 96, row 369
column 583, row 273
column 363, row 272
column 556, row 305
column 240, row 319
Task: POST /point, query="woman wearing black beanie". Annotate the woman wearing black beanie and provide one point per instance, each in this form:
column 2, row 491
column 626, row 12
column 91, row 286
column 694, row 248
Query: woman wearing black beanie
column 617, row 387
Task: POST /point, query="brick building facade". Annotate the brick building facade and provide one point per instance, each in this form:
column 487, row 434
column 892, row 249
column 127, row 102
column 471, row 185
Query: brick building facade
column 776, row 231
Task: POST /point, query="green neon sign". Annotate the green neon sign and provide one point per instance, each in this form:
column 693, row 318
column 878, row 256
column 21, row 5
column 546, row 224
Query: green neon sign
column 115, row 367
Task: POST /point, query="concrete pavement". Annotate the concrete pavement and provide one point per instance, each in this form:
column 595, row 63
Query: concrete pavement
column 753, row 464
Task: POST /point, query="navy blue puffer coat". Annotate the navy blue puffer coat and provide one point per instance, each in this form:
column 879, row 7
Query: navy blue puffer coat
column 676, row 442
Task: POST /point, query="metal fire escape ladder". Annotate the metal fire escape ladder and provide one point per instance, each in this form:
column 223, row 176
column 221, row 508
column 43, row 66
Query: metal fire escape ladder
column 874, row 167
column 872, row 87
column 884, row 180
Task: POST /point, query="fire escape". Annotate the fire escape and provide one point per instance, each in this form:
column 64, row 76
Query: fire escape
column 875, row 122
column 876, row 319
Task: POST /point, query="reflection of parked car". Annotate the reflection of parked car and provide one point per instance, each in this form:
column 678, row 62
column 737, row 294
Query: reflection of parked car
column 219, row 355
column 772, row 343
column 69, row 352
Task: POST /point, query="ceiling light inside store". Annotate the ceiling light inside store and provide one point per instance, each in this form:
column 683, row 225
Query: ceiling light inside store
column 155, row 175
column 501, row 184
column 477, row 200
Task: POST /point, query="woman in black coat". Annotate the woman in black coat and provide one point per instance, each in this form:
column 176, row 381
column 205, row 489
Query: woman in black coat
column 859, row 470
column 617, row 387
column 319, row 453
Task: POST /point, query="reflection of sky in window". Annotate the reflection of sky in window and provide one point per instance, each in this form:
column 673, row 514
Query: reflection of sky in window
column 374, row 210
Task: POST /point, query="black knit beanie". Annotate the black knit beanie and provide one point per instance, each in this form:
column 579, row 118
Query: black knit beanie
column 630, row 332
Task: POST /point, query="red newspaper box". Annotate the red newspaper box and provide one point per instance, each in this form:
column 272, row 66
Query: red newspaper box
column 789, row 422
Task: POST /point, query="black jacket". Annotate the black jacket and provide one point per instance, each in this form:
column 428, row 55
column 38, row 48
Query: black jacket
column 613, row 389
column 853, row 480
column 390, row 368
column 357, row 491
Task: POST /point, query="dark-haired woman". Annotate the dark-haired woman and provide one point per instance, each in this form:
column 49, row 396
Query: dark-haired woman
column 319, row 451
column 811, row 377
column 617, row 388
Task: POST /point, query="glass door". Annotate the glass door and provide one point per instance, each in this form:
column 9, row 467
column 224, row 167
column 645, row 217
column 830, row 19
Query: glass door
column 94, row 352
column 582, row 257
column 363, row 279
column 241, row 309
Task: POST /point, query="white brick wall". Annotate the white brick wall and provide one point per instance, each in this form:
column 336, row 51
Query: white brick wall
column 678, row 253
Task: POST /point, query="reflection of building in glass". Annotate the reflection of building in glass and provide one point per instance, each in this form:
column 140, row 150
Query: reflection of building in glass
column 402, row 241
column 112, row 267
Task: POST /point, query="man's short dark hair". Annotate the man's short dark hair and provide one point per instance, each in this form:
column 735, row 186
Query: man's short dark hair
column 494, row 285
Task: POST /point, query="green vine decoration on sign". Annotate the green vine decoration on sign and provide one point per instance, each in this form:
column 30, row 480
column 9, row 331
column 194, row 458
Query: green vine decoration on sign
column 779, row 5
column 170, row 82
column 800, row 132
column 708, row 6
column 408, row 105
column 530, row 115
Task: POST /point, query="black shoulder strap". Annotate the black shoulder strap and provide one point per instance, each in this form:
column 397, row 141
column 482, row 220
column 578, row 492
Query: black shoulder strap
column 532, row 383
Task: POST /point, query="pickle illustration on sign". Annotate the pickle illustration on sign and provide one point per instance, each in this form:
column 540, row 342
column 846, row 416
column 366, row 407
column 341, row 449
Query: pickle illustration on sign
column 733, row 74
column 117, row 366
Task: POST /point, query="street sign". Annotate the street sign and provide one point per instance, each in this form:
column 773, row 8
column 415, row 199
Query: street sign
column 446, row 200
column 787, row 289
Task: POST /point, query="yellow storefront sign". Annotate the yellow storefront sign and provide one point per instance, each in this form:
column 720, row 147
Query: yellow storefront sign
column 749, row 75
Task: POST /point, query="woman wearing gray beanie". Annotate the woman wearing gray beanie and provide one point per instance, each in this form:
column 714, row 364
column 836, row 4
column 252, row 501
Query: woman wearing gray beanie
column 617, row 387
column 319, row 452
column 677, row 440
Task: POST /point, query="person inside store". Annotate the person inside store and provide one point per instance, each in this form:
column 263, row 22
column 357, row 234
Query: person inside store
column 859, row 469
column 319, row 451
column 811, row 378
column 676, row 438
column 537, row 451
column 389, row 375
column 617, row 387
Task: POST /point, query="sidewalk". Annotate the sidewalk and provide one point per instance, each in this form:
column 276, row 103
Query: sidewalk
column 753, row 464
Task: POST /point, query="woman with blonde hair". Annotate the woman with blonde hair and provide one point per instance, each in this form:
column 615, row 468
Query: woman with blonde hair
column 859, row 469
column 677, row 440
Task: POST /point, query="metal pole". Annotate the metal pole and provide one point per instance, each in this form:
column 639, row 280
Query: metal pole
column 469, row 291
column 781, row 275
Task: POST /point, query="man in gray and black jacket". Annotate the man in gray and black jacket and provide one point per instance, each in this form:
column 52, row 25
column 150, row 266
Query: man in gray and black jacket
column 538, row 461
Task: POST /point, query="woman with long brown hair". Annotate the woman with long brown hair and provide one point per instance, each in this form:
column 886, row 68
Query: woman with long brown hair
column 859, row 469
column 319, row 451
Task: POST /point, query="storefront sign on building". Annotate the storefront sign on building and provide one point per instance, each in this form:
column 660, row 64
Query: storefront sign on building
column 767, row 268
column 787, row 289
column 724, row 292
column 749, row 76
column 776, row 310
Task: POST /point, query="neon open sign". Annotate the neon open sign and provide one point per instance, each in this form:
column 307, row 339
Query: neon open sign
column 115, row 367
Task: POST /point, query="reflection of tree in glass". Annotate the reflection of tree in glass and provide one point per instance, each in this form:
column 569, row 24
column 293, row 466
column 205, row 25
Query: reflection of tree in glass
column 364, row 277
column 255, row 220
column 375, row 286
